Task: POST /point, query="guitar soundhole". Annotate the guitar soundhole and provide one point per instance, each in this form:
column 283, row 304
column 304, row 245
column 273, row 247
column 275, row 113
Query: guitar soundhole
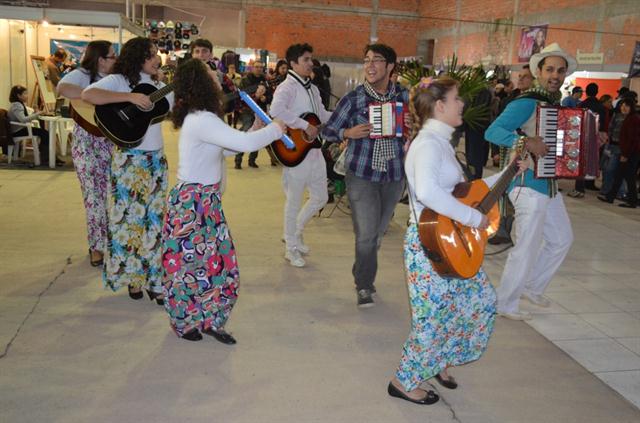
column 147, row 109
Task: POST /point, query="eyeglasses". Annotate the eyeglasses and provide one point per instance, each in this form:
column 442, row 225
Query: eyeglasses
column 375, row 60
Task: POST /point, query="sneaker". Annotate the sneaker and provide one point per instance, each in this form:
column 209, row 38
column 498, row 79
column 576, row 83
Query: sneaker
column 576, row 194
column 538, row 300
column 302, row 247
column 294, row 258
column 516, row 315
column 365, row 299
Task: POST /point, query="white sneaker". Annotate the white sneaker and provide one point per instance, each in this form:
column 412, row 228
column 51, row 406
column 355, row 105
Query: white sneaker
column 301, row 246
column 538, row 300
column 516, row 315
column 294, row 258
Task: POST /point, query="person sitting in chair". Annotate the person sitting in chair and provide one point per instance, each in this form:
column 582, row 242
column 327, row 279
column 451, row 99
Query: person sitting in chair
column 18, row 113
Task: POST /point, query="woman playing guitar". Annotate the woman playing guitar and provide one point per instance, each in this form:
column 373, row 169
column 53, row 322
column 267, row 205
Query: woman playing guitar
column 90, row 150
column 452, row 319
column 138, row 178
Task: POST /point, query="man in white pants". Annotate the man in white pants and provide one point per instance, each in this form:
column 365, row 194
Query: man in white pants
column 293, row 97
column 543, row 228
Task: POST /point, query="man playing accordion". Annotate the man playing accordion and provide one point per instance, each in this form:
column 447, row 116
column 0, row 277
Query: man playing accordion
column 543, row 229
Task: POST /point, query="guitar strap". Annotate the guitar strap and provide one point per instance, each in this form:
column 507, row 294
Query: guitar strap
column 306, row 83
column 431, row 255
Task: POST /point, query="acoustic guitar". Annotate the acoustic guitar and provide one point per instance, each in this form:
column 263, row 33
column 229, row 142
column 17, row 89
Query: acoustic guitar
column 293, row 157
column 456, row 250
column 83, row 114
column 125, row 123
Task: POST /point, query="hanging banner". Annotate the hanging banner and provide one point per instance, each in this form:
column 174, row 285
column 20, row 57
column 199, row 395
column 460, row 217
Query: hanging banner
column 532, row 41
column 634, row 69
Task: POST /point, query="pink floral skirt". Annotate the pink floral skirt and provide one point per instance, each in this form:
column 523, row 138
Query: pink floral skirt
column 201, row 275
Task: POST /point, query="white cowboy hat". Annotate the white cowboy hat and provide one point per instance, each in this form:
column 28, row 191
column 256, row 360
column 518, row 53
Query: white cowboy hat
column 552, row 50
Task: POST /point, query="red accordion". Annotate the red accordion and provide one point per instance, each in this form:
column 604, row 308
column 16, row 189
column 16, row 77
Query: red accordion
column 571, row 136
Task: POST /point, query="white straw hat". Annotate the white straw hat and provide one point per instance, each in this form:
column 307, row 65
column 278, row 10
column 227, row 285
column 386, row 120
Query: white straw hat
column 552, row 50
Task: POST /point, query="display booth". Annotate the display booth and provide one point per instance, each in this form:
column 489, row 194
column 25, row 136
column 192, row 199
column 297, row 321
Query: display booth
column 608, row 82
column 27, row 33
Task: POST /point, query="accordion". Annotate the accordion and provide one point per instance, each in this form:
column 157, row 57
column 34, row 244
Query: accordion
column 571, row 136
column 387, row 120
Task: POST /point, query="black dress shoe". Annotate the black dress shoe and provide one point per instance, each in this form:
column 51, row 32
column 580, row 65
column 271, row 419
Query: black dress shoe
column 253, row 164
column 220, row 336
column 449, row 383
column 135, row 295
column 95, row 263
column 158, row 296
column 430, row 398
column 238, row 166
column 192, row 335
column 605, row 199
column 627, row 205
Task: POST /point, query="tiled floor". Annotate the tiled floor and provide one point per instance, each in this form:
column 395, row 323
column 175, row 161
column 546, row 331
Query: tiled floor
column 595, row 310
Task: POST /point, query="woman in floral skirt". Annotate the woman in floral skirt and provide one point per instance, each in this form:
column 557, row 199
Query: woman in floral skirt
column 452, row 319
column 91, row 153
column 201, row 273
column 138, row 183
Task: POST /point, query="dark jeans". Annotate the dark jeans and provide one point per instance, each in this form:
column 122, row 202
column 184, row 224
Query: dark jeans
column 627, row 171
column 372, row 205
column 476, row 151
column 246, row 120
column 44, row 140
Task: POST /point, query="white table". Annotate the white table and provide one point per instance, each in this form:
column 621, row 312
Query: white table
column 52, row 127
column 56, row 125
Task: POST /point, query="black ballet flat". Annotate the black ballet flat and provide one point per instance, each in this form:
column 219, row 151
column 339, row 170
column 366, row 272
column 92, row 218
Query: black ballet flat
column 220, row 336
column 135, row 295
column 430, row 398
column 154, row 296
column 449, row 383
column 192, row 335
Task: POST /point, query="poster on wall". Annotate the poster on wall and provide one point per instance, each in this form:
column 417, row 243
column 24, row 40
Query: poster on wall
column 532, row 40
column 634, row 68
column 74, row 49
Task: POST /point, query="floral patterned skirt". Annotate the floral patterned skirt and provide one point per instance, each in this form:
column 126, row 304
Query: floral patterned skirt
column 451, row 319
column 92, row 160
column 201, row 276
column 136, row 210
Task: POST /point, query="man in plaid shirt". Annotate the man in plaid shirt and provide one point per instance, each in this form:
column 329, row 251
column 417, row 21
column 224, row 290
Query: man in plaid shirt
column 375, row 174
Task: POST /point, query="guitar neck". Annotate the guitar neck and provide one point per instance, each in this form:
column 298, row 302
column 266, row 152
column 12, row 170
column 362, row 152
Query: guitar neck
column 161, row 93
column 499, row 188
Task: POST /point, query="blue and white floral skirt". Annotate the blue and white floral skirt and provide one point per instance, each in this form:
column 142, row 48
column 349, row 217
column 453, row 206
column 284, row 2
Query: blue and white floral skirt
column 136, row 211
column 451, row 319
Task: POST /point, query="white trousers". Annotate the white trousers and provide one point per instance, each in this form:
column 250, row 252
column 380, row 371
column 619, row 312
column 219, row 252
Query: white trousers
column 543, row 239
column 312, row 175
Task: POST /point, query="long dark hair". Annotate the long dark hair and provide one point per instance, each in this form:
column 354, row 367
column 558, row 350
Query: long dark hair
column 133, row 55
column 194, row 90
column 15, row 93
column 94, row 51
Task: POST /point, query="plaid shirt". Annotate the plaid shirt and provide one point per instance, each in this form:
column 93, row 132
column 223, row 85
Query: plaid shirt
column 352, row 110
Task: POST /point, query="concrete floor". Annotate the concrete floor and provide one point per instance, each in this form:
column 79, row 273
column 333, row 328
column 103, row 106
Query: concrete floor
column 72, row 352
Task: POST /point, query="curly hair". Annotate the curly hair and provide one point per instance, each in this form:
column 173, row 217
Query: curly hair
column 422, row 100
column 132, row 57
column 193, row 91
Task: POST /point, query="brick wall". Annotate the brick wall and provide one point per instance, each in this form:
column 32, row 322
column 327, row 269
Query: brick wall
column 497, row 40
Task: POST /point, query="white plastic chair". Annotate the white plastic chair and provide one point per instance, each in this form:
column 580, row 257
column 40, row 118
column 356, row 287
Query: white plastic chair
column 22, row 141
